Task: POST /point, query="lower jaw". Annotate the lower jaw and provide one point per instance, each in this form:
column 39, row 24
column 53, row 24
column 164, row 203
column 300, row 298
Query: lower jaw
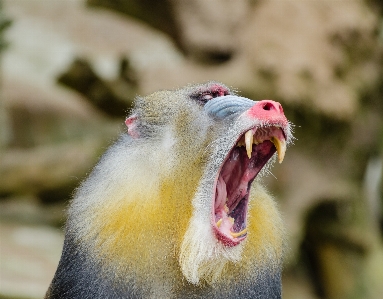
column 225, row 240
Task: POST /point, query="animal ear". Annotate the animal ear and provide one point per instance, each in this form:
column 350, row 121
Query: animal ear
column 131, row 123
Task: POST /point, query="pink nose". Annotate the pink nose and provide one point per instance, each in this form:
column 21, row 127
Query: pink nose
column 267, row 110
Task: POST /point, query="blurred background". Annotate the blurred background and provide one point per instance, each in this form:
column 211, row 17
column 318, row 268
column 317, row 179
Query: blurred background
column 71, row 69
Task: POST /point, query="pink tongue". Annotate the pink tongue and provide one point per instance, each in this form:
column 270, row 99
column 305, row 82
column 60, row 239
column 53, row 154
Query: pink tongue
column 234, row 178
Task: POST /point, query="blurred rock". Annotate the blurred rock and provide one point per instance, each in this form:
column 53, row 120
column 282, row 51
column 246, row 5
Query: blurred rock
column 52, row 144
column 49, row 36
column 42, row 169
column 207, row 31
column 29, row 210
column 323, row 56
column 343, row 251
column 5, row 22
column 28, row 260
column 114, row 98
column 39, row 114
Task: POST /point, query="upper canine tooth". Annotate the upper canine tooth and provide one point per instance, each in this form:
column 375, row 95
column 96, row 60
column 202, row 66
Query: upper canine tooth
column 280, row 145
column 249, row 142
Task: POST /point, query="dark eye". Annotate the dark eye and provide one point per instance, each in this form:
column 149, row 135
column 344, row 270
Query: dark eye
column 206, row 97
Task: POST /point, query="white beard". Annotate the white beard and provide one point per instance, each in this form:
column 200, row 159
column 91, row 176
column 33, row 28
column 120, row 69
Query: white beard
column 203, row 256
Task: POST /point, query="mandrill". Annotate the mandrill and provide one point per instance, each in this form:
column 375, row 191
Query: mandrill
column 171, row 211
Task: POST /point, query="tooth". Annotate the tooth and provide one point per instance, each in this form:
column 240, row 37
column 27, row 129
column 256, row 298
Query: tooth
column 249, row 142
column 280, row 145
column 236, row 235
column 218, row 224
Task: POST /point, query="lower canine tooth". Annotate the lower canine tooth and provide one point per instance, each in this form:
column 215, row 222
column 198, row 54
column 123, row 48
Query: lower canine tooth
column 236, row 235
column 218, row 224
column 249, row 142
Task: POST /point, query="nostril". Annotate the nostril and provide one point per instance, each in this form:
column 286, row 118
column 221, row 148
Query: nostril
column 266, row 110
column 267, row 106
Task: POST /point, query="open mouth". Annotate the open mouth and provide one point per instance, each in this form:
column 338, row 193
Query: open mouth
column 245, row 160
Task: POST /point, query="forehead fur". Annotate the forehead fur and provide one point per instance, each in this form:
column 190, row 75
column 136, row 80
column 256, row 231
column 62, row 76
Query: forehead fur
column 169, row 98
